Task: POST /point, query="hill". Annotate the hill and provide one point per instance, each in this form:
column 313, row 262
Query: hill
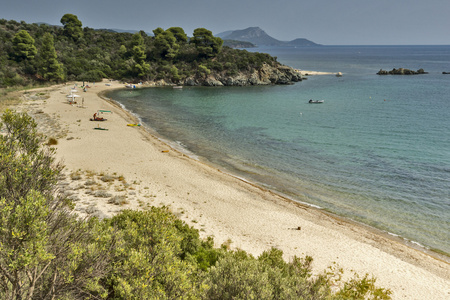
column 125, row 31
column 40, row 53
column 259, row 37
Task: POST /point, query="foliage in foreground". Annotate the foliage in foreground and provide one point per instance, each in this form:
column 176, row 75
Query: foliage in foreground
column 47, row 253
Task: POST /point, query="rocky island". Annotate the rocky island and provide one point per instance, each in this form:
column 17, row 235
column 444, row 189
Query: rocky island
column 401, row 71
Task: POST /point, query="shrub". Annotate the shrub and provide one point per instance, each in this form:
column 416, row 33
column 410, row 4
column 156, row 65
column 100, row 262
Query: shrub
column 238, row 276
column 45, row 251
column 148, row 265
column 52, row 142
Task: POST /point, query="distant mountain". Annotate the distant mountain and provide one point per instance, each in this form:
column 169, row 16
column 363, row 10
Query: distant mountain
column 124, row 30
column 254, row 35
column 238, row 44
column 259, row 37
column 223, row 34
column 301, row 42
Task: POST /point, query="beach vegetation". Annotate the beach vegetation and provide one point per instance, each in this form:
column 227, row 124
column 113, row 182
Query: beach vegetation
column 47, row 252
column 52, row 142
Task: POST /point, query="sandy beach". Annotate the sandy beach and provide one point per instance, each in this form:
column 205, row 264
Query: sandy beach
column 125, row 167
column 314, row 73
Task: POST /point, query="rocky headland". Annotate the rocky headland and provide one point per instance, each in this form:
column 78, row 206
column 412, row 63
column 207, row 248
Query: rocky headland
column 401, row 71
column 265, row 75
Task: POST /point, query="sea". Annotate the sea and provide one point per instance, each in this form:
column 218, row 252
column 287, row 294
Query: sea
column 376, row 151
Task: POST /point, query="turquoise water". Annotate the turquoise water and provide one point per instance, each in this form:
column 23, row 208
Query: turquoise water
column 377, row 151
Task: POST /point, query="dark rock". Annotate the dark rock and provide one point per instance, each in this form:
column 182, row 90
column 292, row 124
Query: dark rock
column 401, row 71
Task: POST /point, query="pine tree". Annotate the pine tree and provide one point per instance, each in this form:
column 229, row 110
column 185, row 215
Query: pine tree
column 206, row 44
column 50, row 68
column 23, row 46
column 72, row 26
column 141, row 67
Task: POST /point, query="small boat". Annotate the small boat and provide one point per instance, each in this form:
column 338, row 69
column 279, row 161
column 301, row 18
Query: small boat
column 177, row 87
column 338, row 74
column 315, row 101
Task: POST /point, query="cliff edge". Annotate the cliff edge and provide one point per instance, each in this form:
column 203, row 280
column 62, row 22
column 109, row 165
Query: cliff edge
column 265, row 75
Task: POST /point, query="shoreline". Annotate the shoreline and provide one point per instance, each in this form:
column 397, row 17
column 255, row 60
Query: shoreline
column 231, row 208
column 436, row 253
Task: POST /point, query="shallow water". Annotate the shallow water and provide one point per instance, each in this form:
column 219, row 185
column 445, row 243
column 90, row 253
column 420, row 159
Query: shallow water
column 376, row 151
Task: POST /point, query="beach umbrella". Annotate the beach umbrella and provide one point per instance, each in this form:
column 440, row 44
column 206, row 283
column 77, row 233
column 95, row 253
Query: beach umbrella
column 73, row 96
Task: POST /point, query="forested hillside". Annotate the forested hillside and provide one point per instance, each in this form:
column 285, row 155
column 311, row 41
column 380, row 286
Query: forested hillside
column 40, row 53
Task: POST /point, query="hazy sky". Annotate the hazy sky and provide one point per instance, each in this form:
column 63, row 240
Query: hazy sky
column 328, row 22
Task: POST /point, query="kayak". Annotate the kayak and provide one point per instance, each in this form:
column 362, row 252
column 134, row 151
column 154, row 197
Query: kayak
column 133, row 124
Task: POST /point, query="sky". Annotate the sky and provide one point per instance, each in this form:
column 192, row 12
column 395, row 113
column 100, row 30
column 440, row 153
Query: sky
column 327, row 22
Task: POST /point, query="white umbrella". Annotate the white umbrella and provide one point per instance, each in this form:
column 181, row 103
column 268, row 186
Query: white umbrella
column 73, row 96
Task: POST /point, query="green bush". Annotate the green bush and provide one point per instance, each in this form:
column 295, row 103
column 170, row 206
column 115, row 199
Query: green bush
column 45, row 251
column 147, row 263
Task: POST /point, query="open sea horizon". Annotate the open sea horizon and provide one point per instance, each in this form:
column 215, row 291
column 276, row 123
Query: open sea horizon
column 377, row 151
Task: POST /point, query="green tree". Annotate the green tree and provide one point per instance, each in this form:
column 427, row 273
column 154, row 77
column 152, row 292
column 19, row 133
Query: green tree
column 203, row 71
column 206, row 44
column 137, row 40
column 179, row 34
column 157, row 31
column 23, row 46
column 72, row 26
column 140, row 67
column 174, row 72
column 45, row 252
column 122, row 51
column 50, row 68
column 166, row 45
